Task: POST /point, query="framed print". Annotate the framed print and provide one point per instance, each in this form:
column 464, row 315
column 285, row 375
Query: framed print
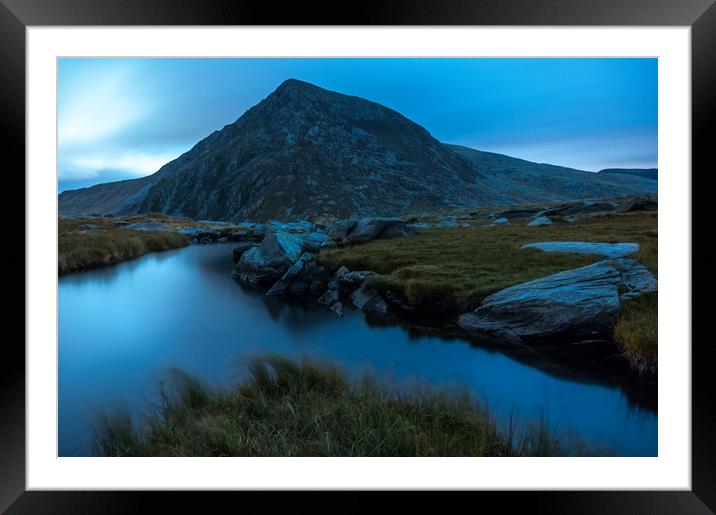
column 423, row 251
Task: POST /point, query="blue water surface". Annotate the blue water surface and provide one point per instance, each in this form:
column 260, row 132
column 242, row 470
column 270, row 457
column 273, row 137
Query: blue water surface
column 123, row 327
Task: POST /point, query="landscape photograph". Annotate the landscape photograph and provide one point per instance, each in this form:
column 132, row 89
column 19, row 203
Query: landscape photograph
column 357, row 257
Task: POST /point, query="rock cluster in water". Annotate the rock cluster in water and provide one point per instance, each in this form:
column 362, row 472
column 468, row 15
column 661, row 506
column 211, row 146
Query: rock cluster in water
column 284, row 261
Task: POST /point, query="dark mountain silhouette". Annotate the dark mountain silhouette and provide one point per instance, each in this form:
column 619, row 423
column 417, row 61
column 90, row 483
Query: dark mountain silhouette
column 305, row 151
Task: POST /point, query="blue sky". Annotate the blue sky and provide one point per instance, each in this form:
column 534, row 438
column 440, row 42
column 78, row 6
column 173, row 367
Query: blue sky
column 125, row 118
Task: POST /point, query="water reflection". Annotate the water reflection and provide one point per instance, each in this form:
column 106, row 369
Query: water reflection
column 122, row 327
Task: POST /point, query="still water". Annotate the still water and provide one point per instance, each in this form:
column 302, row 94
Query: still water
column 123, row 327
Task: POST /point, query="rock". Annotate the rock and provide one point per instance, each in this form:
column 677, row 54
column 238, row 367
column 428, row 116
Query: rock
column 330, row 297
column 447, row 224
column 241, row 248
column 540, row 220
column 201, row 235
column 419, row 226
column 520, row 212
column 242, row 236
column 121, row 223
column 148, row 226
column 192, row 231
column 350, row 281
column 260, row 230
column 577, row 210
column 501, row 220
column 315, row 241
column 369, row 301
column 611, row 250
column 303, row 279
column 271, row 259
column 635, row 279
column 297, row 226
column 340, row 229
column 91, row 227
column 370, row 228
column 571, row 305
column 641, row 204
column 337, row 308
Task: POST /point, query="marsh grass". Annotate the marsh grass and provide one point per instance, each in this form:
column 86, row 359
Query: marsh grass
column 94, row 241
column 289, row 408
column 636, row 331
column 81, row 250
column 454, row 269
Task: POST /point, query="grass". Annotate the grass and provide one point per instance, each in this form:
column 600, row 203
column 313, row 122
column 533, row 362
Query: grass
column 452, row 270
column 94, row 241
column 288, row 408
column 80, row 249
column 636, row 331
column 444, row 272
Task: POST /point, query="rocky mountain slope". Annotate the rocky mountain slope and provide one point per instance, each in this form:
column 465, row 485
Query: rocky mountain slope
column 306, row 152
column 525, row 181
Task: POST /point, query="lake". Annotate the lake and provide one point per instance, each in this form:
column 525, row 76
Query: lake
column 121, row 328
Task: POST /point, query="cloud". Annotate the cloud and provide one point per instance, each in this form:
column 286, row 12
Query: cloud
column 101, row 106
column 137, row 164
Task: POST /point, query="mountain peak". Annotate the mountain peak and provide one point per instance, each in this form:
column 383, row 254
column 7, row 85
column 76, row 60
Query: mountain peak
column 305, row 151
column 298, row 87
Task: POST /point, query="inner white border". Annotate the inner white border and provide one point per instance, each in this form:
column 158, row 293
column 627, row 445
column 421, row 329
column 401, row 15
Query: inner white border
column 671, row 470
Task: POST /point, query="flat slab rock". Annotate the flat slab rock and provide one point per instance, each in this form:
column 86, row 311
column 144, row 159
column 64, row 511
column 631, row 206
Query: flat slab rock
column 612, row 250
column 571, row 305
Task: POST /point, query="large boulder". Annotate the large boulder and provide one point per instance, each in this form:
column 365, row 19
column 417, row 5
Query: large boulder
column 271, row 259
column 339, row 230
column 368, row 228
column 305, row 278
column 568, row 306
column 612, row 250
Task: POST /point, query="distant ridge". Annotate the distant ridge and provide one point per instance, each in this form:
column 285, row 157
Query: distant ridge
column 306, row 152
column 647, row 173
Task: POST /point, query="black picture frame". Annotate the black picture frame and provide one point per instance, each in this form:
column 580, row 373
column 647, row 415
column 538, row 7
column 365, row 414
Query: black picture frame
column 700, row 15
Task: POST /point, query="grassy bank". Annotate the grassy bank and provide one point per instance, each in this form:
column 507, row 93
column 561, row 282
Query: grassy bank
column 449, row 271
column 105, row 244
column 454, row 269
column 285, row 408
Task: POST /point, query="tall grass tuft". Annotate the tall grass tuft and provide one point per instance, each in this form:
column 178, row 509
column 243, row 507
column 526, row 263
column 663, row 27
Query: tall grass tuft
column 302, row 408
column 637, row 331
